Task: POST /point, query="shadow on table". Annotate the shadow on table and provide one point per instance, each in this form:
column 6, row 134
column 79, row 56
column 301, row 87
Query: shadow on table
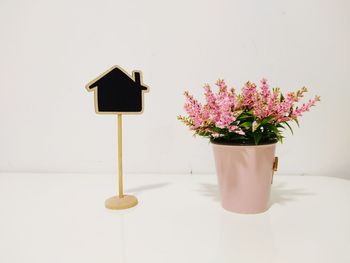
column 210, row 190
column 140, row 189
column 280, row 193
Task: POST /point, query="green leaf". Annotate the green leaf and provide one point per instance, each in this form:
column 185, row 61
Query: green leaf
column 246, row 125
column 274, row 129
column 266, row 120
column 244, row 115
column 290, row 128
column 204, row 134
column 255, row 125
column 257, row 137
column 250, row 112
column 216, row 129
column 297, row 122
column 282, row 97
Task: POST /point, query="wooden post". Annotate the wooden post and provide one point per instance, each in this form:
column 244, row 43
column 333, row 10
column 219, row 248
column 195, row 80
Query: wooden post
column 120, row 158
column 120, row 201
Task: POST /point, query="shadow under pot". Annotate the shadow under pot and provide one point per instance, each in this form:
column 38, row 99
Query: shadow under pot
column 245, row 174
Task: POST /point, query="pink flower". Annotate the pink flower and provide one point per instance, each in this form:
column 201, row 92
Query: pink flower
column 305, row 107
column 215, row 134
column 249, row 95
column 193, row 109
column 221, row 113
column 265, row 92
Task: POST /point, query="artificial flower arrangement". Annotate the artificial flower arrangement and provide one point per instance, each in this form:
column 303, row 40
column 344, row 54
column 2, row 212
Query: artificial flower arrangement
column 254, row 116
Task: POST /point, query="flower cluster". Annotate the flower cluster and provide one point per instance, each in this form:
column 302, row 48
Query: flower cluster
column 255, row 116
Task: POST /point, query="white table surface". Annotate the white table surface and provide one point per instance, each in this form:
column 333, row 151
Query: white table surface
column 61, row 218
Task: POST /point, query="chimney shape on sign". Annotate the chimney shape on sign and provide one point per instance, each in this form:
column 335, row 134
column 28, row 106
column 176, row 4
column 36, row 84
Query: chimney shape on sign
column 137, row 77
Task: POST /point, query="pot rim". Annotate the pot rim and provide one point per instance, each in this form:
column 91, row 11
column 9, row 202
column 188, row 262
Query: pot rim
column 243, row 145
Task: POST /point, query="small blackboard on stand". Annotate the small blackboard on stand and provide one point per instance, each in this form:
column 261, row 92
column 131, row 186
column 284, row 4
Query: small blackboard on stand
column 117, row 92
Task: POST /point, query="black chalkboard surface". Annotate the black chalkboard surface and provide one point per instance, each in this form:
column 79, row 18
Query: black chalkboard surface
column 117, row 92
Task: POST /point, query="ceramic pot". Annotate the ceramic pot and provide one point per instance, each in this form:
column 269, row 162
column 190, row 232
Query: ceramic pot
column 245, row 174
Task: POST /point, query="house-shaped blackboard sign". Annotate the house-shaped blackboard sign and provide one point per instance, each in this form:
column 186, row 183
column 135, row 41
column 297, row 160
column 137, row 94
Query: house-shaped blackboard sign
column 117, row 92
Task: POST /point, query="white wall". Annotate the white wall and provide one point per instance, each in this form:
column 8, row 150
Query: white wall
column 50, row 49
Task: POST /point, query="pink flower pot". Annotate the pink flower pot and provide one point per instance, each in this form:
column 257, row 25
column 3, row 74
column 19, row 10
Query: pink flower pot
column 244, row 176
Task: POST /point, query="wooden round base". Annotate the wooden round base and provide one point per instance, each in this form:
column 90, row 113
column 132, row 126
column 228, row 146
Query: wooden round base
column 118, row 203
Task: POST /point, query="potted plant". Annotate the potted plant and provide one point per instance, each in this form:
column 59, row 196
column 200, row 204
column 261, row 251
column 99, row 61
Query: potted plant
column 244, row 129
